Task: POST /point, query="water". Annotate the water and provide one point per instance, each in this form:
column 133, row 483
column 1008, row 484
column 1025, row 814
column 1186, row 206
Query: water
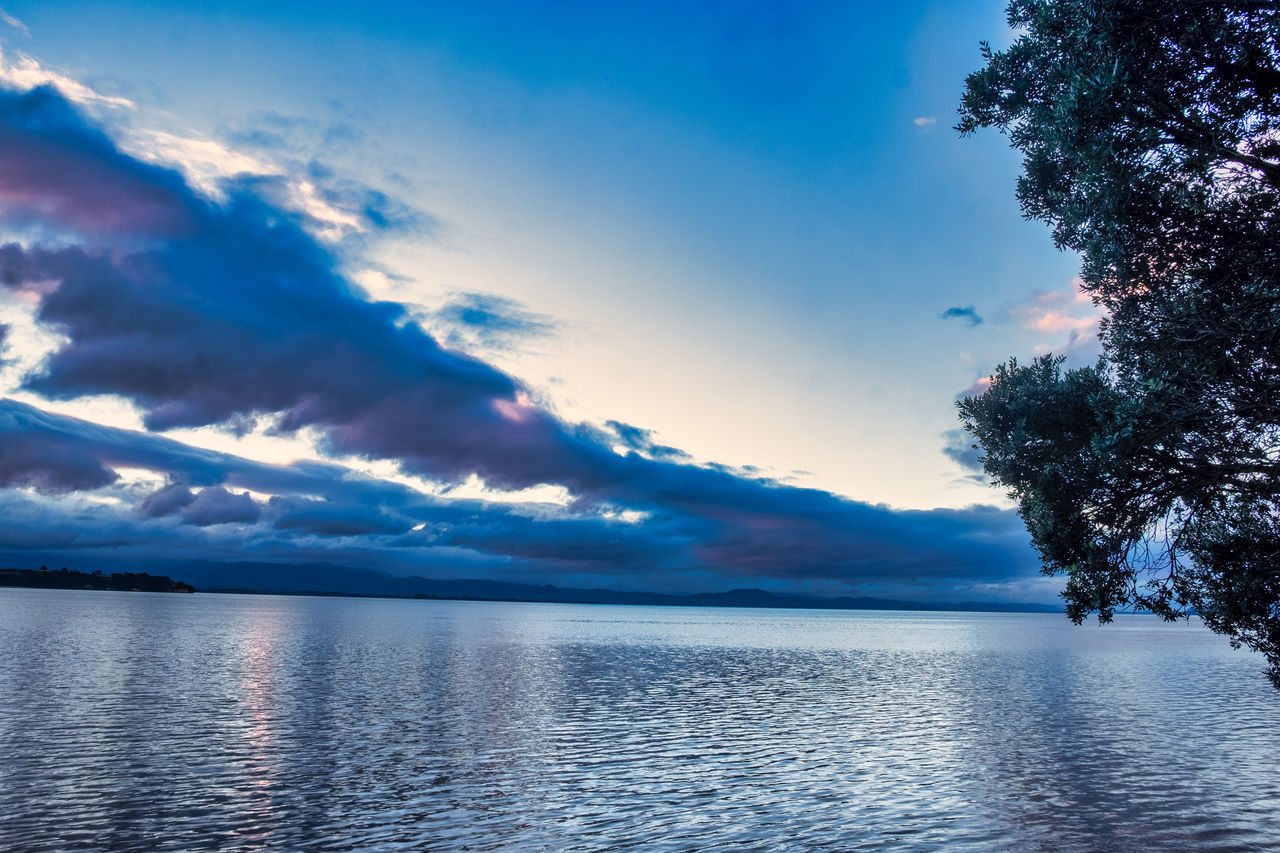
column 138, row 721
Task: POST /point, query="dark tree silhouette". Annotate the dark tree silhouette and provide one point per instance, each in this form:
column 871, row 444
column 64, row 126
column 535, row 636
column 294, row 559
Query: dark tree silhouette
column 1150, row 131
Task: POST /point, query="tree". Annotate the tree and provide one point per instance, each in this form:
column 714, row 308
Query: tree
column 1150, row 131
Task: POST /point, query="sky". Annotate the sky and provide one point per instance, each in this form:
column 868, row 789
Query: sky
column 648, row 296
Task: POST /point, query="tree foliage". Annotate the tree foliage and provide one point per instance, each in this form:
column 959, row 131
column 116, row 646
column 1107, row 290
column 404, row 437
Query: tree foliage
column 1150, row 131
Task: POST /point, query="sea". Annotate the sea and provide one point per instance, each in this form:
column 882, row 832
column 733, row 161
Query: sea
column 162, row 722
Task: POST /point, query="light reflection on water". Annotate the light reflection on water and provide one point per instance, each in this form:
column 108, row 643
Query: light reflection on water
column 136, row 721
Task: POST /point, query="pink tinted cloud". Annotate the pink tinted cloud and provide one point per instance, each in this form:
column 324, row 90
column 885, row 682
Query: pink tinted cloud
column 1068, row 320
column 1058, row 321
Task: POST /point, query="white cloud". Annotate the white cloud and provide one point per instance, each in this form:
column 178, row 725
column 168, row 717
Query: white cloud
column 25, row 73
column 336, row 223
column 925, row 123
column 203, row 162
column 206, row 163
column 26, row 342
column 14, row 23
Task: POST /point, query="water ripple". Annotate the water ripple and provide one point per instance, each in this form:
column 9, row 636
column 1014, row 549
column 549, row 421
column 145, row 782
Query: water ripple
column 153, row 722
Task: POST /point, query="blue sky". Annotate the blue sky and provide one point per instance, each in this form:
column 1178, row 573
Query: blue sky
column 721, row 268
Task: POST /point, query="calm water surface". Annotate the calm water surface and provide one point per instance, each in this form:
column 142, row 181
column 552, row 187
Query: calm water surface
column 137, row 721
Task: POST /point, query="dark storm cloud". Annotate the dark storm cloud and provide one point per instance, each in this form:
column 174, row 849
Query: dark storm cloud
column 597, row 545
column 35, row 462
column 216, row 505
column 30, row 523
column 166, row 500
column 245, row 314
column 330, row 518
column 966, row 313
column 94, row 447
column 205, row 313
column 706, row 521
column 58, row 169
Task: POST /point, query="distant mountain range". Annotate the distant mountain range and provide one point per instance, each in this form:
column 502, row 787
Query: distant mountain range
column 322, row 579
column 330, row 579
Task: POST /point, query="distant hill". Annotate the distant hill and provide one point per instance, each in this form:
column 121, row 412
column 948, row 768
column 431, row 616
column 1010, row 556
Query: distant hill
column 323, row 579
column 497, row 591
column 331, row 579
column 119, row 582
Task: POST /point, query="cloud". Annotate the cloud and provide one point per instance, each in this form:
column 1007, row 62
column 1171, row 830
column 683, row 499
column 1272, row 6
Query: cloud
column 14, row 24
column 481, row 322
column 31, row 462
column 960, row 448
column 925, row 123
column 216, row 505
column 1069, row 321
column 26, row 73
column 60, row 172
column 203, row 311
column 338, row 208
column 705, row 523
column 272, row 131
column 641, row 440
column 233, row 311
column 1066, row 321
column 966, row 313
column 332, row 518
column 168, row 499
column 111, row 448
column 204, row 162
column 1057, row 321
column 979, row 386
